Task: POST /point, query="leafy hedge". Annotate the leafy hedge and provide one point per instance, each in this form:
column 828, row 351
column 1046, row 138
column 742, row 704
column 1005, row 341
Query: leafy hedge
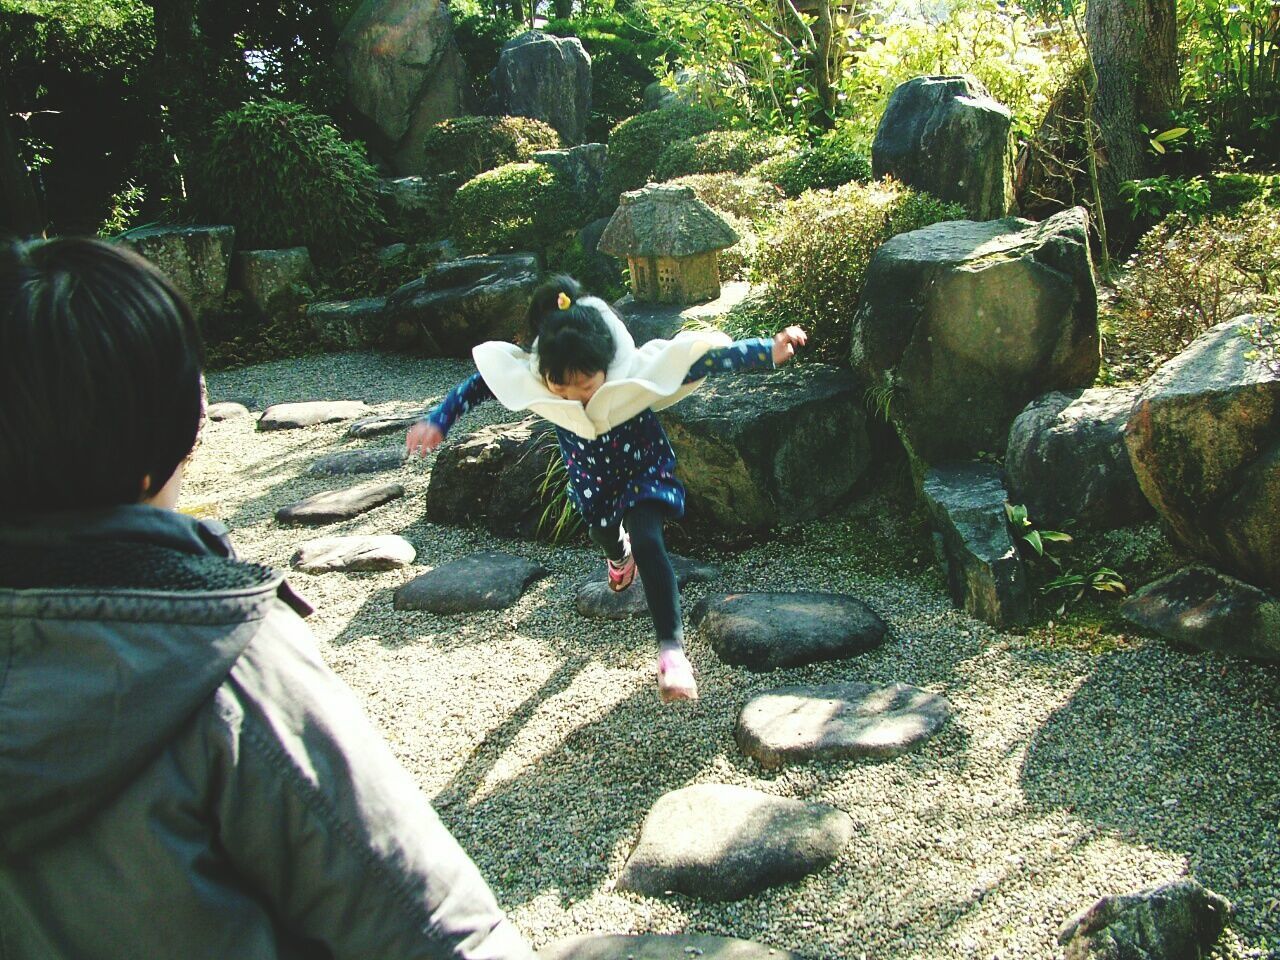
column 832, row 160
column 636, row 143
column 721, row 151
column 815, row 257
column 467, row 146
column 284, row 177
column 518, row 206
column 748, row 198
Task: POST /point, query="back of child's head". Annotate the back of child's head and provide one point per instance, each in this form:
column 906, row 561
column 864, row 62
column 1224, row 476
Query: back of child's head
column 100, row 376
column 572, row 337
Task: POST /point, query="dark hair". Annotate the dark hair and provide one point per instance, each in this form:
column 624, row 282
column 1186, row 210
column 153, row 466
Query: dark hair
column 100, row 381
column 573, row 340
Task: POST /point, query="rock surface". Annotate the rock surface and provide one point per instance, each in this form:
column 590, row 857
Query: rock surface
column 384, row 423
column 348, row 324
column 387, row 552
column 660, row 946
column 227, row 410
column 547, row 78
column 482, row 581
column 1177, row 921
column 755, row 451
column 268, row 277
column 494, row 477
column 1204, row 440
column 1067, row 460
column 720, row 842
column 375, row 460
column 460, row 303
column 334, row 505
column 984, row 570
column 581, row 168
column 836, row 721
column 309, row 413
column 403, row 73
column 196, row 259
column 946, row 136
column 962, row 324
column 767, row 631
column 1200, row 607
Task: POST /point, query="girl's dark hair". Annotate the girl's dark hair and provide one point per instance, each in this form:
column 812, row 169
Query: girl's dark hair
column 100, row 376
column 576, row 340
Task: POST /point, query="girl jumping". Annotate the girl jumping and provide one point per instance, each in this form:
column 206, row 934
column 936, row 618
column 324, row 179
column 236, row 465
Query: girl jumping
column 584, row 373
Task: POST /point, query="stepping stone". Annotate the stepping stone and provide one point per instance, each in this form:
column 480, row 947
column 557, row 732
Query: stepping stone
column 719, row 842
column 359, row 461
column 387, row 552
column 291, row 416
column 597, row 601
column 384, row 423
column 660, row 946
column 838, row 721
column 766, row 631
column 482, row 581
column 334, row 505
column 218, row 412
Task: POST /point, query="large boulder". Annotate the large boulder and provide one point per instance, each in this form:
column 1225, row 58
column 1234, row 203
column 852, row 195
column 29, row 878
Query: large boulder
column 269, row 278
column 547, row 78
column 460, row 303
column 1177, row 921
column 403, row 73
column 196, row 259
column 1204, row 440
column 347, row 324
column 961, row 324
column 581, row 168
column 946, row 136
column 1066, row 460
column 494, row 477
column 756, row 453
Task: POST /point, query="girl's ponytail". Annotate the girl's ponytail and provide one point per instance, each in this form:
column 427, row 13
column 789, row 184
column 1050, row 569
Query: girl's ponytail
column 549, row 299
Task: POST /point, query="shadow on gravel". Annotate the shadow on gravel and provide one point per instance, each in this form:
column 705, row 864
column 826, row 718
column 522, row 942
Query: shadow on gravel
column 1181, row 753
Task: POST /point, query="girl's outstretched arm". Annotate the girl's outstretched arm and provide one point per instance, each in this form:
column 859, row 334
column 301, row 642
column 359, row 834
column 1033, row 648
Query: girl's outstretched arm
column 429, row 432
column 752, row 354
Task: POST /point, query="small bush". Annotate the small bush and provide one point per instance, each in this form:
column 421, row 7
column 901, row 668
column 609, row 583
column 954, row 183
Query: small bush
column 720, row 151
column 284, row 177
column 599, row 274
column 831, row 161
column 636, row 143
column 748, row 198
column 816, row 256
column 1187, row 276
column 518, row 206
column 467, row 146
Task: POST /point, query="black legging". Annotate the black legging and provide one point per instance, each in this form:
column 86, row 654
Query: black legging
column 644, row 527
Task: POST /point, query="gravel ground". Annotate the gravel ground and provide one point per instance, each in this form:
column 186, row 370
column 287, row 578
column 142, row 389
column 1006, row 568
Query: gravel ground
column 1061, row 777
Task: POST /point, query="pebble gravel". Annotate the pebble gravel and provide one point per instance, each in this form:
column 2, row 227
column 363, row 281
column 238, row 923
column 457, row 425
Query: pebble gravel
column 1061, row 776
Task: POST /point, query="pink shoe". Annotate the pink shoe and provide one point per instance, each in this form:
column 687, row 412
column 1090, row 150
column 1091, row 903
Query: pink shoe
column 623, row 574
column 675, row 677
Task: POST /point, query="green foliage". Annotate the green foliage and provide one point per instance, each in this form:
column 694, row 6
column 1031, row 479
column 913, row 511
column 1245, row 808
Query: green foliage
column 745, row 197
column 599, row 274
column 1188, row 276
column 1264, row 334
column 1160, row 196
column 560, row 519
column 518, row 206
column 816, row 256
column 635, row 145
column 466, row 146
column 720, row 151
column 1101, row 579
column 833, row 160
column 480, row 37
column 284, row 177
column 84, row 35
column 126, row 206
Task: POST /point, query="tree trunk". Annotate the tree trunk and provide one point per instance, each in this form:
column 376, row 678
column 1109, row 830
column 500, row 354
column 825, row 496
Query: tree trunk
column 564, row 9
column 1134, row 47
column 19, row 208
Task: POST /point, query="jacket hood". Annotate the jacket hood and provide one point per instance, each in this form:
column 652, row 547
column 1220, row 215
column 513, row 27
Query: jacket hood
column 115, row 627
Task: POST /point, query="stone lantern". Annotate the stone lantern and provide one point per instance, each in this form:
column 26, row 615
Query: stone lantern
column 670, row 240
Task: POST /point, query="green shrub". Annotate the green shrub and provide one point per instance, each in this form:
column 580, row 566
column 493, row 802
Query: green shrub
column 480, row 39
column 467, row 146
column 831, row 161
column 721, row 151
column 518, row 206
column 748, row 198
column 816, row 256
column 1187, row 276
column 284, row 177
column 635, row 145
column 600, row 274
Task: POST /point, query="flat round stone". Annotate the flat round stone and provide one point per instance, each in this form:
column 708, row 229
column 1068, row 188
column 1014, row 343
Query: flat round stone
column 384, row 423
column 387, row 552
column 482, row 581
column 292, row 416
column 218, row 412
column 358, row 461
column 766, row 631
column 660, row 946
column 837, row 721
column 334, row 505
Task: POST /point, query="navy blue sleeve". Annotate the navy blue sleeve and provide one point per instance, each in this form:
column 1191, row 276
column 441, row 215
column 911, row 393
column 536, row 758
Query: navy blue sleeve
column 459, row 400
column 753, row 354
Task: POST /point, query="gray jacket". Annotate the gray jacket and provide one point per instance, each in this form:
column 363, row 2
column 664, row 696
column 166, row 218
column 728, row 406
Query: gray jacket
column 181, row 776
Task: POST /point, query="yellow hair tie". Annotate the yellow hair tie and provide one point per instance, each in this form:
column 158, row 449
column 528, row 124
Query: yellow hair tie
column 563, row 301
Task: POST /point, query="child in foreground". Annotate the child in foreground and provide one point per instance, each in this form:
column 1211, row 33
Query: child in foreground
column 584, row 373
